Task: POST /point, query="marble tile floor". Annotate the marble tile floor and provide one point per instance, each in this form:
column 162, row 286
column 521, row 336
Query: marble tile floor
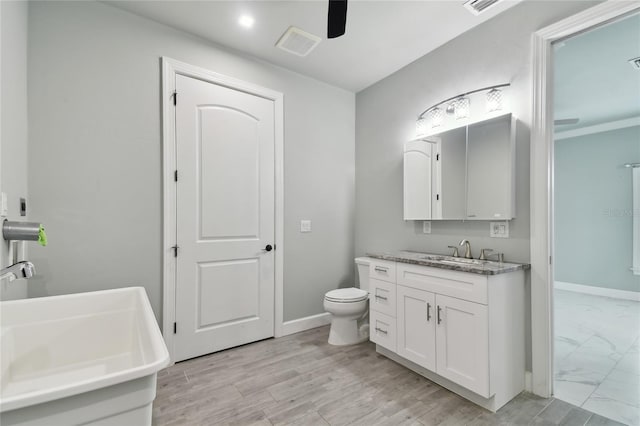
column 302, row 380
column 597, row 356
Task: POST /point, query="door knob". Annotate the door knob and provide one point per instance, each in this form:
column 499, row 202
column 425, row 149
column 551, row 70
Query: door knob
column 268, row 247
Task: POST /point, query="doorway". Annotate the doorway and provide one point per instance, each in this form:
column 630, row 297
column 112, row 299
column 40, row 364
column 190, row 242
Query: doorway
column 223, row 211
column 596, row 283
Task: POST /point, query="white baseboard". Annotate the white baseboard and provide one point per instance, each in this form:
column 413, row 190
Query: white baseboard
column 528, row 381
column 306, row 323
column 598, row 291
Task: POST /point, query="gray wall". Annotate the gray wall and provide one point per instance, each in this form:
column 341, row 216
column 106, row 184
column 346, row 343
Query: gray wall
column 593, row 209
column 497, row 51
column 95, row 154
column 13, row 125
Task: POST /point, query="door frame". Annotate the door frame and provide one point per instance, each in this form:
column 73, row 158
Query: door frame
column 170, row 69
column 542, row 145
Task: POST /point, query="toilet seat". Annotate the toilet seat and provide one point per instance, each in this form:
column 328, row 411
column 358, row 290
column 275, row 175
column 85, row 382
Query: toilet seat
column 346, row 295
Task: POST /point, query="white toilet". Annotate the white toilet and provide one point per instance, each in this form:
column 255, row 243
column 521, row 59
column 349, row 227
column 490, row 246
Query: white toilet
column 349, row 309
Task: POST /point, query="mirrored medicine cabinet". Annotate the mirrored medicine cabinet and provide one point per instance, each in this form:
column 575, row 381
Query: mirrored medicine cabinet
column 463, row 173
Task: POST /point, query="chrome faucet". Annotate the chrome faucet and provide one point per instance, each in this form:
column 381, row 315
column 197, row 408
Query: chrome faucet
column 499, row 255
column 18, row 270
column 467, row 249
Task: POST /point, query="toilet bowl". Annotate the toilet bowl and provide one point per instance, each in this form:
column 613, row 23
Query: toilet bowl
column 349, row 309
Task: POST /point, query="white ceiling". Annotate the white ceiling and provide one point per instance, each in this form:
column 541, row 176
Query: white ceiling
column 593, row 80
column 381, row 37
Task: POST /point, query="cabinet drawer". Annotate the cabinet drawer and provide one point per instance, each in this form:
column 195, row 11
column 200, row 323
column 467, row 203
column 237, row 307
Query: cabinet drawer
column 382, row 330
column 383, row 270
column 382, row 297
column 462, row 285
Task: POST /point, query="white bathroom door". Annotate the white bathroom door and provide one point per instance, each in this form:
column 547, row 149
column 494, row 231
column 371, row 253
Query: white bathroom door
column 225, row 218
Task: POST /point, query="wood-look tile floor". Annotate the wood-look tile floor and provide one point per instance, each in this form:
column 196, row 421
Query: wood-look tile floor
column 302, row 380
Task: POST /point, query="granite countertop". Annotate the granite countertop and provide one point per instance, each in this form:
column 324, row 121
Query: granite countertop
column 483, row 267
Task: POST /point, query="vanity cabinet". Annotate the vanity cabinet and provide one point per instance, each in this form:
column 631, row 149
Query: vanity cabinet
column 462, row 330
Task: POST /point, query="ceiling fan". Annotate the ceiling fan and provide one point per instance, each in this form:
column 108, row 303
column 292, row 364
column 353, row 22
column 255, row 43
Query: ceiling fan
column 337, row 18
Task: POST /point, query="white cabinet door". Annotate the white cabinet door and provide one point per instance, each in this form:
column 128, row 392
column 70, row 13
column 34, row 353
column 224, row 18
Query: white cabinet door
column 462, row 343
column 416, row 326
column 417, row 180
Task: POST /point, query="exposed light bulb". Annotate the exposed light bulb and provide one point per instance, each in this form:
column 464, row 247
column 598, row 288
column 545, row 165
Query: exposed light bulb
column 451, row 108
column 246, row 21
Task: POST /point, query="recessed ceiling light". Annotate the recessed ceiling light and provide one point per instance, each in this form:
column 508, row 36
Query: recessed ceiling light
column 246, row 21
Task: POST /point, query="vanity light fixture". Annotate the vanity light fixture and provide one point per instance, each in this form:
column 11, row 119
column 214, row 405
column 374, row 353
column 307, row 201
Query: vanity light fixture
column 436, row 116
column 458, row 106
column 462, row 106
column 494, row 100
column 421, row 127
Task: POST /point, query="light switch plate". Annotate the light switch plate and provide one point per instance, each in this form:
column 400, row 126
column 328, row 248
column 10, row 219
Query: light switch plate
column 499, row 229
column 426, row 227
column 305, row 225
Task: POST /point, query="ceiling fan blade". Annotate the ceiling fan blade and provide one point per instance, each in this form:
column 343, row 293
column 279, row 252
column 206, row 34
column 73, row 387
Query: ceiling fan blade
column 337, row 19
column 564, row 121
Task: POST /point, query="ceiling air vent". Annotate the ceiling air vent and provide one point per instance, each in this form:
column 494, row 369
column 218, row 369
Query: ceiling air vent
column 635, row 62
column 297, row 41
column 478, row 6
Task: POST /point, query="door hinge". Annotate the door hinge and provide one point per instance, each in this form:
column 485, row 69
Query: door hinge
column 175, row 250
column 175, row 327
column 175, row 176
column 175, row 98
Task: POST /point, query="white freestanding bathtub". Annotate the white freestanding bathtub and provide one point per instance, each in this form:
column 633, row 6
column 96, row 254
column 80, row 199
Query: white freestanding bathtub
column 86, row 358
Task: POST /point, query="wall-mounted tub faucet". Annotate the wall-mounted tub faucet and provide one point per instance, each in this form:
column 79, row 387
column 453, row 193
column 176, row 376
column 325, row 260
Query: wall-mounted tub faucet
column 18, row 270
column 467, row 249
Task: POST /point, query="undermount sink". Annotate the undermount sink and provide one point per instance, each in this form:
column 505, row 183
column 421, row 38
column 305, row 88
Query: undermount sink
column 455, row 260
column 80, row 359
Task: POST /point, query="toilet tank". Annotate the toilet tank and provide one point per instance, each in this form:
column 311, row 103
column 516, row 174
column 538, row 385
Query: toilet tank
column 363, row 271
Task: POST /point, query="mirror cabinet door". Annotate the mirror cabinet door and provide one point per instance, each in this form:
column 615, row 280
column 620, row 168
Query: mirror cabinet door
column 490, row 169
column 449, row 175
